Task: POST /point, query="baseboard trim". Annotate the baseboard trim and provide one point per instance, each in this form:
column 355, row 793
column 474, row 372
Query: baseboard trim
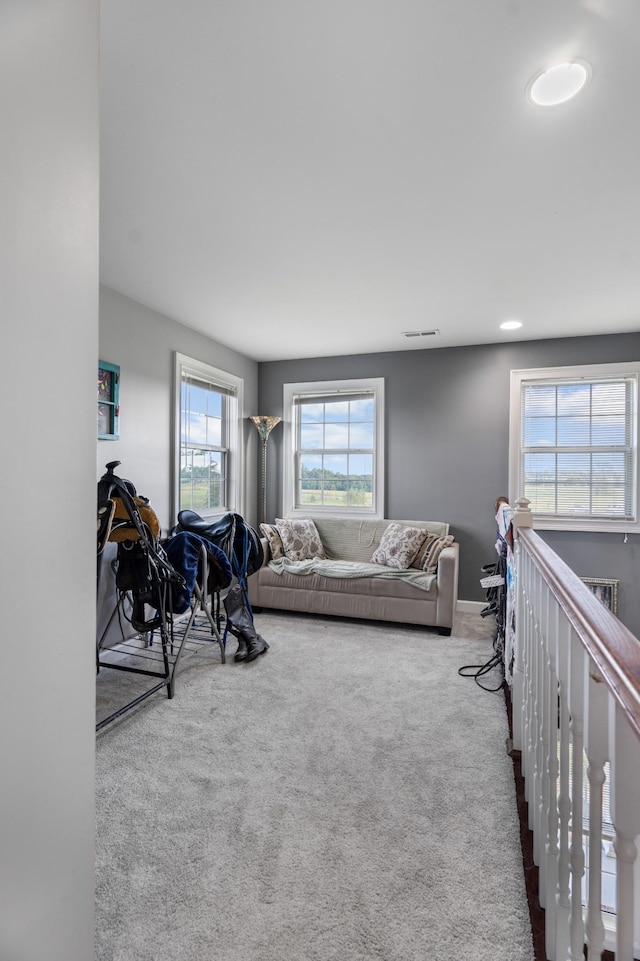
column 470, row 607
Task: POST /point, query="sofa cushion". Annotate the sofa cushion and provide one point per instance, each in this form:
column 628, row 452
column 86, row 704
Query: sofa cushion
column 355, row 539
column 427, row 557
column 390, row 583
column 300, row 538
column 398, row 546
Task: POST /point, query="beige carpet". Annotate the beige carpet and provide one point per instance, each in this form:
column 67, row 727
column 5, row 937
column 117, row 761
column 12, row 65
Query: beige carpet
column 346, row 797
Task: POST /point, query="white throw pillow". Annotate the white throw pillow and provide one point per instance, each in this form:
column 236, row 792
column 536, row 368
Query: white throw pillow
column 300, row 539
column 398, row 546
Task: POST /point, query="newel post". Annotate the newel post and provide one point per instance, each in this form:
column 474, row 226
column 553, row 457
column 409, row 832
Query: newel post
column 522, row 517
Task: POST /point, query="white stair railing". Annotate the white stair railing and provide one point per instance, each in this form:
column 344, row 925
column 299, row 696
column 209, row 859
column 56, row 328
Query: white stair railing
column 576, row 721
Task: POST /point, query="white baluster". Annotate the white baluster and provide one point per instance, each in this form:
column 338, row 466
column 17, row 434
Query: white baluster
column 522, row 631
column 576, row 709
column 564, row 798
column 528, row 699
column 517, row 689
column 536, row 741
column 543, row 752
column 530, row 715
column 529, row 702
column 596, row 743
column 625, row 814
column 552, row 800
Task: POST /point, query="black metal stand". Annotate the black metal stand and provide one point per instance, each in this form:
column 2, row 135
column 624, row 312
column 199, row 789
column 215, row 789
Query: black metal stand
column 176, row 636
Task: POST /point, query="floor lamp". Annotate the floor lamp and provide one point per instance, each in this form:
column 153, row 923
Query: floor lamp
column 264, row 426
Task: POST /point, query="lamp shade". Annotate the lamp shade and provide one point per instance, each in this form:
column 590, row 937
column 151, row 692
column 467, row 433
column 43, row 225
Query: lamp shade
column 264, row 424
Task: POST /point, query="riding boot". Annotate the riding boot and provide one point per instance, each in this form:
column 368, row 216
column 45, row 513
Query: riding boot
column 240, row 624
column 241, row 653
column 256, row 645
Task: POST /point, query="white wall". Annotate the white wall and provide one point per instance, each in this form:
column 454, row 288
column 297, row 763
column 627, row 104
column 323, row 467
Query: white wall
column 49, row 329
column 143, row 343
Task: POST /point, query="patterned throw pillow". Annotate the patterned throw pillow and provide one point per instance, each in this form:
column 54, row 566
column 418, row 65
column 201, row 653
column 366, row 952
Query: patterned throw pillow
column 427, row 557
column 270, row 531
column 418, row 560
column 398, row 546
column 300, row 539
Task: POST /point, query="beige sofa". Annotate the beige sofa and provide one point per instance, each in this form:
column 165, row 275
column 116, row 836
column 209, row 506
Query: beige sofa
column 346, row 584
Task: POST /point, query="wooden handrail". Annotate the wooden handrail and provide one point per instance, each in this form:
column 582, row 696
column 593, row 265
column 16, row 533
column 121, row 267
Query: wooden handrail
column 612, row 647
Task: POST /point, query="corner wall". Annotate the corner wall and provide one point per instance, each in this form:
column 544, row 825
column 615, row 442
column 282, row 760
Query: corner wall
column 447, row 442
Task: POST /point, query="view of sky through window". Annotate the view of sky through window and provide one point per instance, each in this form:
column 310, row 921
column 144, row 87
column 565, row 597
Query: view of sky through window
column 336, row 443
column 202, row 459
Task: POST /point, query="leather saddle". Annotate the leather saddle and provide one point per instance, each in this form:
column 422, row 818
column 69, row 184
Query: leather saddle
column 239, row 541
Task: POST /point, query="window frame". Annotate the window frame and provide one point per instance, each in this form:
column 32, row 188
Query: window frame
column 234, row 386
column 374, row 385
column 113, row 403
column 588, row 373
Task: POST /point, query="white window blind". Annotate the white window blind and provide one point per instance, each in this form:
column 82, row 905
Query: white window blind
column 577, row 447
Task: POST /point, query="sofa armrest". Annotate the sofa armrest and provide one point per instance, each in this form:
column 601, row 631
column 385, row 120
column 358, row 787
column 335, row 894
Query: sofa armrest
column 447, row 581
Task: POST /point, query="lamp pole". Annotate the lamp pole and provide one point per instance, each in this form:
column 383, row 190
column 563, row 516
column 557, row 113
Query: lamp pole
column 264, row 426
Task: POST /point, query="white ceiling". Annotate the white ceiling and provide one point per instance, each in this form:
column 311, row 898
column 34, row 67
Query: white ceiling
column 301, row 178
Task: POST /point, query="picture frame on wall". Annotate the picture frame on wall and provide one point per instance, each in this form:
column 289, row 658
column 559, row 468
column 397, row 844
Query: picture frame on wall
column 605, row 589
column 108, row 401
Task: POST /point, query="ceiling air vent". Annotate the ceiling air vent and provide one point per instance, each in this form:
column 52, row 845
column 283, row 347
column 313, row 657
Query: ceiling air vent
column 420, row 333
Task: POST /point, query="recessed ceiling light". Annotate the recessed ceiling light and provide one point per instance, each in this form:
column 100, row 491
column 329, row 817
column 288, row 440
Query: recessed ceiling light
column 511, row 325
column 547, row 88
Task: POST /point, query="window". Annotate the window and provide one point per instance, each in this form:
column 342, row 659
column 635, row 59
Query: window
column 208, row 416
column 573, row 446
column 333, row 442
column 108, row 401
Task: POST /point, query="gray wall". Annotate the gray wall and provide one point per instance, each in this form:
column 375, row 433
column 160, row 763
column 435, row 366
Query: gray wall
column 143, row 343
column 447, row 436
column 49, row 55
